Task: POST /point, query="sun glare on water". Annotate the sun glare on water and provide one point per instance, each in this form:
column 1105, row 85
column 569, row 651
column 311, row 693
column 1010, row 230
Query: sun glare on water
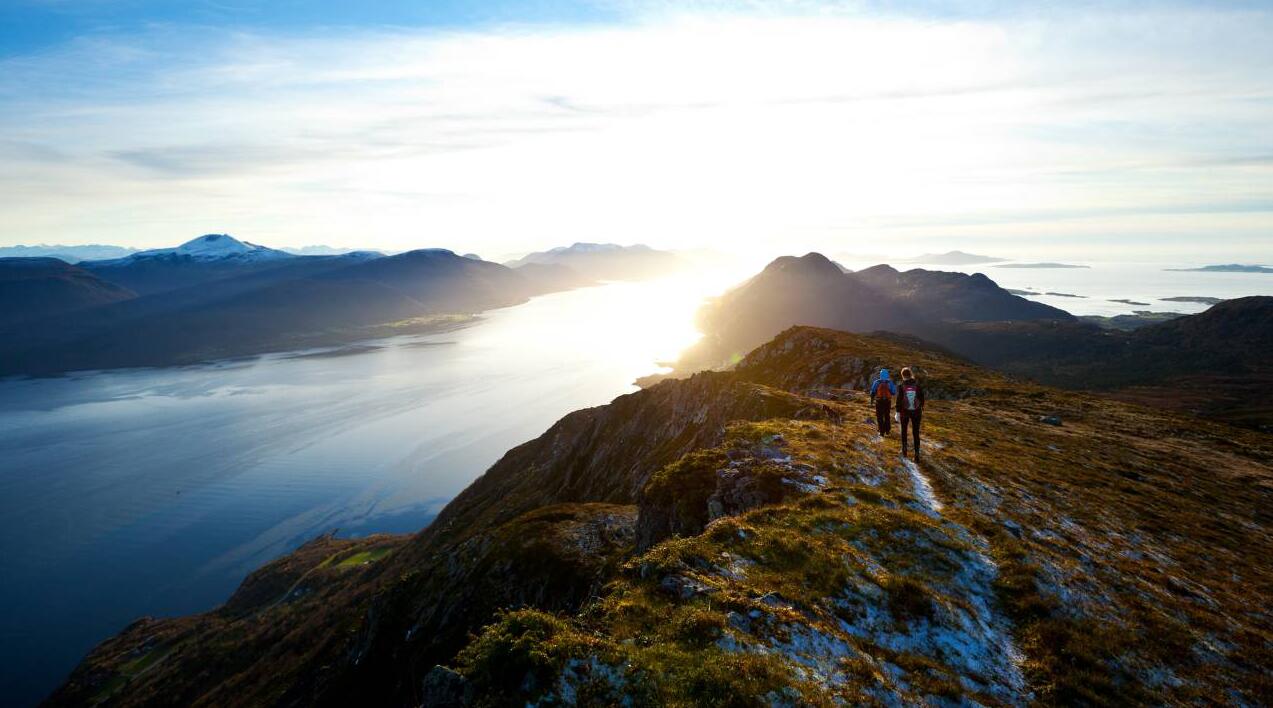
column 637, row 326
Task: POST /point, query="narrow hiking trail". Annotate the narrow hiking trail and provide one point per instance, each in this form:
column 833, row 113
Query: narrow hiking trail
column 982, row 640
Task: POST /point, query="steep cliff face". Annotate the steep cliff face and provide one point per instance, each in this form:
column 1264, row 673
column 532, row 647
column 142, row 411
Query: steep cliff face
column 747, row 538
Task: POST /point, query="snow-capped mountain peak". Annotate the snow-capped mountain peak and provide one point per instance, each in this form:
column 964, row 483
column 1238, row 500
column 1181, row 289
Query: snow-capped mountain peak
column 211, row 247
column 215, row 245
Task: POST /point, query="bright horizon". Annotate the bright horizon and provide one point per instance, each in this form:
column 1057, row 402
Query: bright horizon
column 1126, row 132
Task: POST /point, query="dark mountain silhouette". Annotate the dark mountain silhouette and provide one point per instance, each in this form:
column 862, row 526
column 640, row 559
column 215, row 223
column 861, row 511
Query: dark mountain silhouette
column 296, row 302
column 1214, row 362
column 606, row 261
column 812, row 290
column 33, row 287
column 746, row 536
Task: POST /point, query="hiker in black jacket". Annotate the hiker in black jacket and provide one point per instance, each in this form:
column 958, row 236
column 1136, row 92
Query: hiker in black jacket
column 910, row 407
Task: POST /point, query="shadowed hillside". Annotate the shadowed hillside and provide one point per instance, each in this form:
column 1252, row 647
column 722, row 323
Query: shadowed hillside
column 1214, row 363
column 32, row 288
column 746, row 538
column 811, row 290
column 281, row 303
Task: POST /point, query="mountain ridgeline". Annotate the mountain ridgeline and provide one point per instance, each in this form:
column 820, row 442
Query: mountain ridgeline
column 216, row 297
column 744, row 537
column 811, row 290
column 1214, row 363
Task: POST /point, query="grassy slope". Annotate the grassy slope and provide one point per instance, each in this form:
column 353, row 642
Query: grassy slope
column 788, row 558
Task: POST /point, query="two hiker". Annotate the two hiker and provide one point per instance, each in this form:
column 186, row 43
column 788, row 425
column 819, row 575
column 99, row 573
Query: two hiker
column 910, row 405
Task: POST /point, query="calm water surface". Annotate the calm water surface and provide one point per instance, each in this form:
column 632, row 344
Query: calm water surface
column 154, row 492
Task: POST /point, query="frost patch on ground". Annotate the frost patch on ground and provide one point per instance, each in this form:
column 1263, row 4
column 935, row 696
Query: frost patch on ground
column 963, row 630
column 592, row 673
column 923, row 490
column 820, row 655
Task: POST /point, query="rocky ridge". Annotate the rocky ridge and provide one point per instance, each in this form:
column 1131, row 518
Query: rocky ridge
column 745, row 538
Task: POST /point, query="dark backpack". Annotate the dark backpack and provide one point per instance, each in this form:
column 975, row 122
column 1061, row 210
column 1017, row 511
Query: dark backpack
column 908, row 394
column 882, row 391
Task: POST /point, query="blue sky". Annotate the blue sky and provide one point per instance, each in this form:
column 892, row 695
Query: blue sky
column 1098, row 130
column 31, row 25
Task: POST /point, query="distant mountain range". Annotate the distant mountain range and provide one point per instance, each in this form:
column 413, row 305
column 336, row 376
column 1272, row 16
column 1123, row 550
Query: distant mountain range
column 606, row 261
column 216, row 296
column 69, row 254
column 1215, row 362
column 319, row 250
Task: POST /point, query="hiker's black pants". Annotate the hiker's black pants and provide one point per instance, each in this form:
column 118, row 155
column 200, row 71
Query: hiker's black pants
column 883, row 416
column 910, row 418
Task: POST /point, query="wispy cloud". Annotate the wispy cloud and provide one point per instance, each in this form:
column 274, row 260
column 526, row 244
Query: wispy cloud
column 715, row 126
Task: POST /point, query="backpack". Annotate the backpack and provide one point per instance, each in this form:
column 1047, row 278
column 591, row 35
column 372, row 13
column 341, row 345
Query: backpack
column 909, row 392
column 882, row 391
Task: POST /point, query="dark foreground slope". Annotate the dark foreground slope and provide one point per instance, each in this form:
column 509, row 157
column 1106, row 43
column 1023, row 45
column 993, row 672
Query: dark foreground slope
column 745, row 538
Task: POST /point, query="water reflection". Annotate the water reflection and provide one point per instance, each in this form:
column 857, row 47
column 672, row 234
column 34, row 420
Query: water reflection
column 156, row 491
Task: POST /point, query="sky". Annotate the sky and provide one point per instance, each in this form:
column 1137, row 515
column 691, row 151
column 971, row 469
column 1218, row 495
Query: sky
column 1092, row 131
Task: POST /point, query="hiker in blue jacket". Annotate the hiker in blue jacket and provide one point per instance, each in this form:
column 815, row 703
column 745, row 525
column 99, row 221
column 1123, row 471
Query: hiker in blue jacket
column 882, row 393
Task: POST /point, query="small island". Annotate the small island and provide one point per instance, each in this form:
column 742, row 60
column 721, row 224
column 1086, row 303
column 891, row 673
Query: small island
column 1136, row 320
column 1194, row 298
column 1041, row 265
column 1131, row 302
column 1065, row 295
column 1227, row 268
column 952, row 258
column 1022, row 292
